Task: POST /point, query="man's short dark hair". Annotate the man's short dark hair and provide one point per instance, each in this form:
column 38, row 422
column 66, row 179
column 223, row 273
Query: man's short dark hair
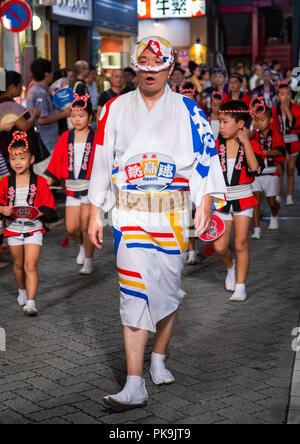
column 39, row 68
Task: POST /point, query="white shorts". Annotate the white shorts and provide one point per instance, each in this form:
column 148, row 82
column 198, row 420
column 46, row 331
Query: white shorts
column 229, row 216
column 76, row 202
column 266, row 184
column 18, row 241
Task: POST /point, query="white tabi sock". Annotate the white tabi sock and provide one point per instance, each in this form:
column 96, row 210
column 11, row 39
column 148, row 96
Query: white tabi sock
column 22, row 298
column 240, row 294
column 30, row 304
column 230, row 281
column 158, row 371
column 133, row 393
column 88, row 266
column 81, row 255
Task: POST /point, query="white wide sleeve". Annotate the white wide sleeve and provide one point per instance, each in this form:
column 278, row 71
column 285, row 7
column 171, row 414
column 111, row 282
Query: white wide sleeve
column 101, row 191
column 207, row 177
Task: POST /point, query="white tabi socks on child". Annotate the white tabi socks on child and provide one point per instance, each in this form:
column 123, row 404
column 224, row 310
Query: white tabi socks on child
column 22, row 298
column 30, row 308
column 88, row 267
column 133, row 395
column 240, row 294
column 159, row 373
column 81, row 256
column 230, row 281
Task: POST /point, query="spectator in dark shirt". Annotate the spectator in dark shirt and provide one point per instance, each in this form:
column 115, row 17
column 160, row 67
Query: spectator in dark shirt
column 117, row 80
column 129, row 79
column 47, row 123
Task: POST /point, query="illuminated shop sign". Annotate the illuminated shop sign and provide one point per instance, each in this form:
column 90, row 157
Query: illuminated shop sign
column 158, row 9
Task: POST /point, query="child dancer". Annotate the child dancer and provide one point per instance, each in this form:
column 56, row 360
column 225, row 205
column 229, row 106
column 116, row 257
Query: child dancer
column 287, row 121
column 272, row 145
column 25, row 237
column 241, row 161
column 72, row 160
column 235, row 93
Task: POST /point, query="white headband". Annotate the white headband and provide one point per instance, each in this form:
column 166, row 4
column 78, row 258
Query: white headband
column 162, row 49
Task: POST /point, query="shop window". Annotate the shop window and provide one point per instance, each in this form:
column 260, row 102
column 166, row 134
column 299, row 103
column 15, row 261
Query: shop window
column 274, row 24
column 111, row 60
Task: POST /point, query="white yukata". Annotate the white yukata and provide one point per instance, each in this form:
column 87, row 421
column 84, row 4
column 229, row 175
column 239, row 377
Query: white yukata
column 151, row 246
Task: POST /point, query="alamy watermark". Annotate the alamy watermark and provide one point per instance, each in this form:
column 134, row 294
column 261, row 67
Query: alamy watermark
column 2, row 340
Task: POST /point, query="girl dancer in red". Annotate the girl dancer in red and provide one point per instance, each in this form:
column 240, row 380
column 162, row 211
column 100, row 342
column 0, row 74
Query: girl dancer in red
column 241, row 160
column 72, row 160
column 23, row 188
column 286, row 120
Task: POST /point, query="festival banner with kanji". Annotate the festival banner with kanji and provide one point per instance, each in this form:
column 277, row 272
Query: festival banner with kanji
column 159, row 9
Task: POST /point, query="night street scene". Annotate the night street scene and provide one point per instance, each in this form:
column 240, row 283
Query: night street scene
column 149, row 215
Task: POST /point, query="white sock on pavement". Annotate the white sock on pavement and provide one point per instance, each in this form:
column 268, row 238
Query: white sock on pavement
column 230, row 281
column 240, row 294
column 256, row 233
column 133, row 393
column 81, row 255
column 158, row 371
column 88, row 266
column 22, row 298
column 30, row 304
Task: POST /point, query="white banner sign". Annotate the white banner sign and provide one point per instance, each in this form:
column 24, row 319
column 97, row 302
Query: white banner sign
column 156, row 9
column 74, row 9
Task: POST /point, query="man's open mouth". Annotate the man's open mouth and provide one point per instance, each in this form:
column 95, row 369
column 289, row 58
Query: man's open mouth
column 150, row 80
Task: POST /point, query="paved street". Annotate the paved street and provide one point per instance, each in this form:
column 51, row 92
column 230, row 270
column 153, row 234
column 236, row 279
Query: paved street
column 233, row 363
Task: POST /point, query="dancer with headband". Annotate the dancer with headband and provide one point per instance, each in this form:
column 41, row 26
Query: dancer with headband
column 273, row 146
column 23, row 188
column 154, row 146
column 241, row 161
column 72, row 160
column 286, row 120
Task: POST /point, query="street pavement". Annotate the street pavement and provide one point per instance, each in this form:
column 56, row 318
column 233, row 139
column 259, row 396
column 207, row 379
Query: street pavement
column 233, row 363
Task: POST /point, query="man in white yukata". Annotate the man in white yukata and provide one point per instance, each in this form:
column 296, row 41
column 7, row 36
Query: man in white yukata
column 156, row 154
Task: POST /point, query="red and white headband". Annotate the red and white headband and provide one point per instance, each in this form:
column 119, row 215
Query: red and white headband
column 19, row 136
column 256, row 110
column 77, row 99
column 184, row 91
column 258, row 106
column 283, row 83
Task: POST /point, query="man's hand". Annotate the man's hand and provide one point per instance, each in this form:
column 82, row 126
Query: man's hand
column 37, row 113
column 6, row 211
column 96, row 227
column 203, row 216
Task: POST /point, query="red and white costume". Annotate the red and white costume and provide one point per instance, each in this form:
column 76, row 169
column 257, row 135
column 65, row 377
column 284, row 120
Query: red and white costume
column 291, row 132
column 240, row 198
column 74, row 167
column 268, row 181
column 38, row 195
